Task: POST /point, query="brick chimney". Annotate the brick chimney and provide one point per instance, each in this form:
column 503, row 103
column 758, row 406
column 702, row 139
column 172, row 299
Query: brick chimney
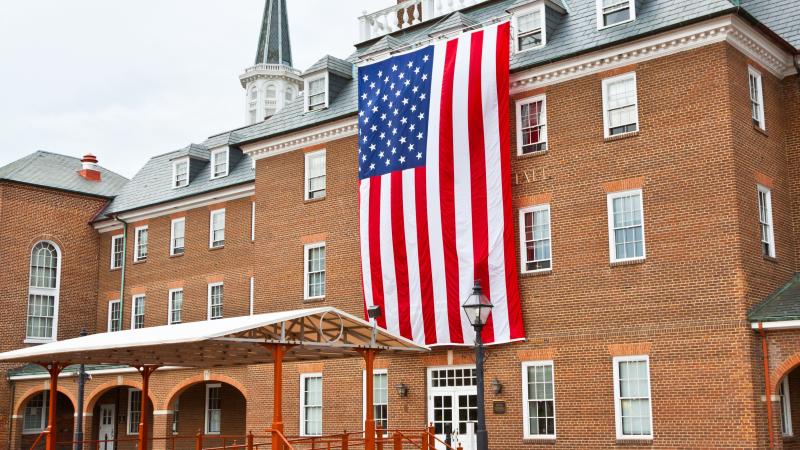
column 89, row 168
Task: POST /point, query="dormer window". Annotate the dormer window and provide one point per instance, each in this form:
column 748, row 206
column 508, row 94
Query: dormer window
column 530, row 30
column 219, row 163
column 614, row 12
column 252, row 105
column 180, row 173
column 317, row 93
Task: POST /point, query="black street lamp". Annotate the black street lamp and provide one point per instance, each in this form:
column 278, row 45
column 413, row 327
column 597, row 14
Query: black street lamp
column 477, row 308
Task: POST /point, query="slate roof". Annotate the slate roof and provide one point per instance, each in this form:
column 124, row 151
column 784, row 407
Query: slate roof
column 454, row 21
column 783, row 304
column 55, row 171
column 781, row 16
column 332, row 64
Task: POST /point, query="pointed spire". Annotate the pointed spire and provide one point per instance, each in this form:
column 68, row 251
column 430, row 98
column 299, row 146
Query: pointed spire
column 273, row 43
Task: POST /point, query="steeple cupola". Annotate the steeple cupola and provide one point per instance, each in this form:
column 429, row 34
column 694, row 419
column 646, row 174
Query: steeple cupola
column 272, row 81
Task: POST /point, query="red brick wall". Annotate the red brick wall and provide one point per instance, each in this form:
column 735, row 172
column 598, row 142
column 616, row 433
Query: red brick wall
column 791, row 93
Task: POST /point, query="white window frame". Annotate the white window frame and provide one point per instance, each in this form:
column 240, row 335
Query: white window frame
column 525, row 400
column 543, row 133
column 618, row 400
column 110, row 311
column 206, row 409
column 612, row 248
column 303, row 405
column 222, row 304
column 786, row 408
column 522, row 242
column 44, row 395
column 528, row 10
column 134, row 299
column 753, row 73
column 306, row 251
column 253, row 221
column 211, row 228
column 364, row 392
column 213, row 166
column 170, row 306
column 307, row 177
column 114, row 239
column 136, row 256
column 606, row 119
column 130, row 410
column 175, row 172
column 172, row 237
column 771, row 222
column 307, row 87
column 252, row 294
column 599, row 9
column 49, row 292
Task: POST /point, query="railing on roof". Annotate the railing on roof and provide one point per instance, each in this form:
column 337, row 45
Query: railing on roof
column 272, row 68
column 406, row 14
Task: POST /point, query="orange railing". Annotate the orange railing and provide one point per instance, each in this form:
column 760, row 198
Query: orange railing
column 38, row 439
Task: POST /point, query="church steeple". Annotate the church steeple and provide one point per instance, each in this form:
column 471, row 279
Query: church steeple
column 273, row 43
column 271, row 83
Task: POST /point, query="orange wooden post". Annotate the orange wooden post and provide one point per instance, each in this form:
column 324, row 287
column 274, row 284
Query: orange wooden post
column 398, row 441
column 250, row 440
column 345, row 441
column 54, row 369
column 145, row 372
column 432, row 440
column 199, row 442
column 369, row 424
column 425, row 445
column 278, row 352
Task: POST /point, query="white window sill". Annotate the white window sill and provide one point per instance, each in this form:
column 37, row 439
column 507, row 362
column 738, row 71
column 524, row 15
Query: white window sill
column 616, row 137
column 634, row 439
column 536, row 273
column 38, row 341
column 540, row 438
column 605, row 27
column 31, row 432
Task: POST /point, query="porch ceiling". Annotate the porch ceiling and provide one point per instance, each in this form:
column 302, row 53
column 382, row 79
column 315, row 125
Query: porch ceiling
column 314, row 334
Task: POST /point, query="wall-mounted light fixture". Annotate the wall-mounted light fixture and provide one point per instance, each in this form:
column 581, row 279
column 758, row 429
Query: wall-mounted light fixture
column 497, row 386
column 402, row 390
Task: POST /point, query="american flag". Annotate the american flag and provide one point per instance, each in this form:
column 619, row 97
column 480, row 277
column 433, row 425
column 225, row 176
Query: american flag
column 435, row 189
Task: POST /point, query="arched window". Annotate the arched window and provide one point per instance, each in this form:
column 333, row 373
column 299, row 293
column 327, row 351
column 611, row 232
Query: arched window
column 289, row 94
column 252, row 104
column 43, row 292
column 270, row 100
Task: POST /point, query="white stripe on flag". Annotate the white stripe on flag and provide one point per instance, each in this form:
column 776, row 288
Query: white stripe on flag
column 387, row 257
column 494, row 188
column 434, row 199
column 366, row 273
column 414, row 287
column 462, row 177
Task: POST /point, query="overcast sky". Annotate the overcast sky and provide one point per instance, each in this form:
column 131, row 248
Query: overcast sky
column 129, row 80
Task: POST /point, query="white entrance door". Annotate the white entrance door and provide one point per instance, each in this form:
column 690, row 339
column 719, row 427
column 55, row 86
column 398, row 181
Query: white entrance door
column 106, row 429
column 453, row 404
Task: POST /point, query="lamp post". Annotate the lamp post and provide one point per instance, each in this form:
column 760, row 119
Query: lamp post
column 477, row 308
column 79, row 415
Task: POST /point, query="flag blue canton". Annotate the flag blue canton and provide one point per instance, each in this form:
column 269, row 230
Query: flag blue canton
column 393, row 109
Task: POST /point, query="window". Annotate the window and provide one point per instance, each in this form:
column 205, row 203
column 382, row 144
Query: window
column 539, row 407
column 175, row 306
column 252, row 294
column 176, row 412
column 252, row 105
column 35, row 415
column 217, row 226
column 756, row 97
column 531, row 125
column 180, row 173
column 621, row 113
column 380, row 398
column 219, row 163
column 270, row 100
column 786, row 408
column 315, row 271
column 134, row 410
column 213, row 409
column 534, row 225
column 315, row 175
column 177, row 236
column 632, row 397
column 289, row 95
column 137, row 315
column 140, row 244
column 317, row 97
column 253, row 221
column 114, row 315
column 530, row 32
column 117, row 250
column 43, row 292
column 614, row 12
column 215, row 300
column 311, row 404
column 626, row 226
column 765, row 219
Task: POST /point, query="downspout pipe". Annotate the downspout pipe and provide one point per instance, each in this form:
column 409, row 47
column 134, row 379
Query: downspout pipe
column 124, row 266
column 767, row 389
column 11, row 409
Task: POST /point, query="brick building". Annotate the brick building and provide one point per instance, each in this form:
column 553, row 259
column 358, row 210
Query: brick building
column 656, row 180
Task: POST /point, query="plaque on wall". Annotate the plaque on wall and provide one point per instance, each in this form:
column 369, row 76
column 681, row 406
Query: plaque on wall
column 499, row 407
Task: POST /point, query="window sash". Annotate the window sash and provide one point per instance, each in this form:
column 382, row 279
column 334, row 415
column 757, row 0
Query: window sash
column 316, row 175
column 141, row 244
column 536, row 239
column 632, row 391
column 621, row 106
column 756, row 98
column 616, row 11
column 35, row 415
column 219, row 163
column 217, row 228
column 44, row 266
column 215, row 301
column 178, row 238
column 530, row 32
column 380, row 399
column 41, row 315
column 765, row 221
column 311, row 406
column 114, row 316
column 786, row 408
column 315, row 271
column 626, row 226
column 181, row 177
column 117, row 247
column 134, row 411
column 539, row 398
column 175, row 307
column 138, row 312
column 533, row 126
column 213, row 409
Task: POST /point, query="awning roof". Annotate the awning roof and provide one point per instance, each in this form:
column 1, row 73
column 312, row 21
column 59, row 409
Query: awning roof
column 319, row 333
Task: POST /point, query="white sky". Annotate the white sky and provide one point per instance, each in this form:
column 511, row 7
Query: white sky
column 130, row 80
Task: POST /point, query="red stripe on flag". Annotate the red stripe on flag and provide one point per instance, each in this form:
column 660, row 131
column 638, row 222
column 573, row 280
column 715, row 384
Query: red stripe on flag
column 400, row 255
column 447, row 188
column 424, row 252
column 517, row 329
column 477, row 161
column 375, row 247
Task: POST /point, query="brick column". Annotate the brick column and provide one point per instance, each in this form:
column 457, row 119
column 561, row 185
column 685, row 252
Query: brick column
column 162, row 428
column 16, row 432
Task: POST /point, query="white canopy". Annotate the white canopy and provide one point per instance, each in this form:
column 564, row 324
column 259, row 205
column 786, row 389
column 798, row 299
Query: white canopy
column 314, row 334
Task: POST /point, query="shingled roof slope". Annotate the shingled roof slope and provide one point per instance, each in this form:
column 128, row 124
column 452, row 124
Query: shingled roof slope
column 781, row 305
